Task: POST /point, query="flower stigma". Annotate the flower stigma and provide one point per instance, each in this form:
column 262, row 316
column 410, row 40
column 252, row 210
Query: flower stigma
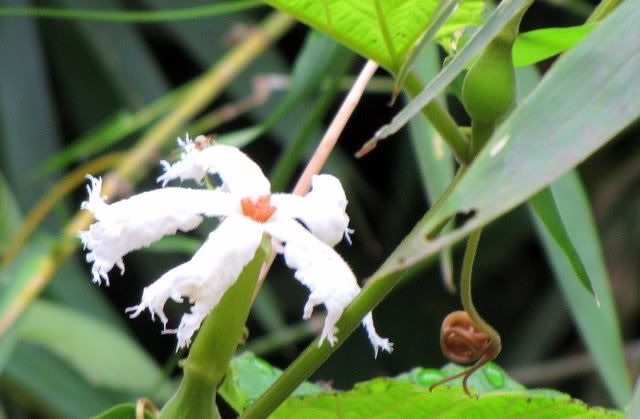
column 259, row 211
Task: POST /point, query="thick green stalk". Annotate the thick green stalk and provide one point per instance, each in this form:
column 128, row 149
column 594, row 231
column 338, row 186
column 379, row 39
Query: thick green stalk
column 215, row 344
column 375, row 290
column 441, row 121
column 466, row 288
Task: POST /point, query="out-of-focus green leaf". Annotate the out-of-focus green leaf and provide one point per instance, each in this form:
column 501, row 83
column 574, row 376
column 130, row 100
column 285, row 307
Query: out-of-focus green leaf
column 382, row 397
column 249, row 376
column 28, row 132
column 10, row 217
column 110, row 132
column 130, row 16
column 487, row 379
column 103, row 355
column 598, row 326
column 534, row 46
column 633, row 410
column 48, row 385
column 543, row 206
column 128, row 64
column 122, row 411
column 174, row 244
column 434, row 158
column 382, row 31
column 319, row 57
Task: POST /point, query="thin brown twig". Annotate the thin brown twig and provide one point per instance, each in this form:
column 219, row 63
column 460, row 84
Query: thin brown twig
column 326, row 145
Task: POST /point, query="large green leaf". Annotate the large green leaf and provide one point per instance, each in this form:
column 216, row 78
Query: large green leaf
column 392, row 398
column 598, row 325
column 249, row 376
column 487, row 379
column 603, row 336
column 384, row 31
column 105, row 356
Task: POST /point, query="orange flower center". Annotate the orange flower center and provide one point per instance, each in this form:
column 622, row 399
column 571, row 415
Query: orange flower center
column 260, row 211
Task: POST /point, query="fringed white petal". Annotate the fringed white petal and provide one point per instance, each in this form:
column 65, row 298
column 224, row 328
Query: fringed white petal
column 327, row 276
column 322, row 210
column 142, row 219
column 206, row 277
column 240, row 175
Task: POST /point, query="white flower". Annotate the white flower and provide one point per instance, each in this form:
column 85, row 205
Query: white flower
column 248, row 210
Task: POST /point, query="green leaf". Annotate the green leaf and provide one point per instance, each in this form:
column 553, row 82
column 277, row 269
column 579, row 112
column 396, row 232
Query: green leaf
column 547, row 216
column 130, row 16
column 10, row 217
column 487, row 379
column 387, row 397
column 174, row 244
column 503, row 14
column 534, row 46
column 383, row 31
column 633, row 410
column 249, row 376
column 48, row 385
column 598, row 325
column 103, row 355
column 122, row 411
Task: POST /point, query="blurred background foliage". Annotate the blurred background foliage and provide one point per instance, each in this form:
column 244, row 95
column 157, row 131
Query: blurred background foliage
column 73, row 90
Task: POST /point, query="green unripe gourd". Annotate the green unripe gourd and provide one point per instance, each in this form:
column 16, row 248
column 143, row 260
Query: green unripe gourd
column 489, row 89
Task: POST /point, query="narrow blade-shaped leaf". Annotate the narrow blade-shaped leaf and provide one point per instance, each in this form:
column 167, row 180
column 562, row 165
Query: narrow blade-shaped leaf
column 546, row 213
column 598, row 325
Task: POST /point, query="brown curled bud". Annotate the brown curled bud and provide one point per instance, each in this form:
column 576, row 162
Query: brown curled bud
column 463, row 342
column 460, row 340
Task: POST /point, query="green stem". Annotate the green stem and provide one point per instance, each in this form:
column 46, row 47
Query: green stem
column 131, row 16
column 465, row 289
column 604, row 8
column 377, row 288
column 441, row 121
column 215, row 344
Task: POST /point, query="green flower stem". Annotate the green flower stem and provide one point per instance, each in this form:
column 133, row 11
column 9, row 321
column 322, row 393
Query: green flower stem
column 441, row 121
column 213, row 347
column 378, row 286
column 604, row 8
column 465, row 292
